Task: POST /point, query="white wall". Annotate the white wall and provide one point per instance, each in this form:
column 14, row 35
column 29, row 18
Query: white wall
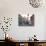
column 12, row 8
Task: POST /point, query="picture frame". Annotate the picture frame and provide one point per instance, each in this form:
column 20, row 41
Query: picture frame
column 26, row 20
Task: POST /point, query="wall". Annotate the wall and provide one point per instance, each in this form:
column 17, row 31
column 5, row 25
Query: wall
column 11, row 8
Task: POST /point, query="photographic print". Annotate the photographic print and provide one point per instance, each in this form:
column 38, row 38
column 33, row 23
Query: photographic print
column 26, row 20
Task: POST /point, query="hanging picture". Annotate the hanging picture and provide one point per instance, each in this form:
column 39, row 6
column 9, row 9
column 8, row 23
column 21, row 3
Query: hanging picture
column 26, row 20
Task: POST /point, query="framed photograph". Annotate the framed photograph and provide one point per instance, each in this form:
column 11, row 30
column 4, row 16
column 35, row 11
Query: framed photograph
column 26, row 20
